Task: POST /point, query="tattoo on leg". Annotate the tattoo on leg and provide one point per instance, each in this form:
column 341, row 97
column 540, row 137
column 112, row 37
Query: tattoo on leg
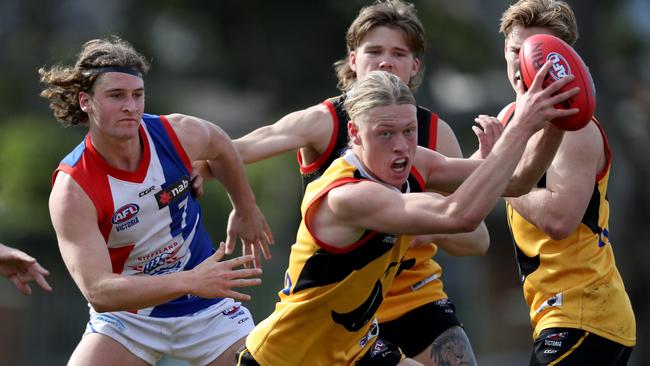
column 452, row 348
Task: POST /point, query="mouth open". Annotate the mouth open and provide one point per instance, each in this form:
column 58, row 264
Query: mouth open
column 399, row 165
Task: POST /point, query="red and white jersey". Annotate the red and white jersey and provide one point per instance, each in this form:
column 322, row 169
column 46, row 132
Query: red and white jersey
column 151, row 223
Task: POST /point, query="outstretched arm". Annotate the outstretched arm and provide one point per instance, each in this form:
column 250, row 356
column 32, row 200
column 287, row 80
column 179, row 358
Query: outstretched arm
column 86, row 256
column 349, row 209
column 21, row 269
column 306, row 129
column 309, row 130
column 203, row 140
column 371, row 206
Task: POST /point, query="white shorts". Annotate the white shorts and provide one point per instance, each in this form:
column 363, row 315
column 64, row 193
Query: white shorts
column 198, row 338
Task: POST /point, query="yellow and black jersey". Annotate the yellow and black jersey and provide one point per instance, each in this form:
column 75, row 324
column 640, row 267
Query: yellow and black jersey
column 574, row 282
column 326, row 313
column 418, row 282
column 419, row 276
column 418, row 279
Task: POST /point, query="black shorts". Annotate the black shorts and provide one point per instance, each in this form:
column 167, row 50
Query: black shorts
column 567, row 346
column 414, row 331
column 381, row 353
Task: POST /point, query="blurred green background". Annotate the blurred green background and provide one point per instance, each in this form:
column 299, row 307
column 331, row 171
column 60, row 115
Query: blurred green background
column 242, row 64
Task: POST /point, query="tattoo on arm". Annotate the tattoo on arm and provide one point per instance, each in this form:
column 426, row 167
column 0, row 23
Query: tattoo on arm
column 452, row 348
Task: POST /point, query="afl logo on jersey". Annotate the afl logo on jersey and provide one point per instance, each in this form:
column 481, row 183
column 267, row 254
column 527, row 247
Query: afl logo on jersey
column 125, row 213
column 126, row 217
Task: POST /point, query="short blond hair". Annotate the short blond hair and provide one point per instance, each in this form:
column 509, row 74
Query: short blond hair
column 377, row 89
column 555, row 15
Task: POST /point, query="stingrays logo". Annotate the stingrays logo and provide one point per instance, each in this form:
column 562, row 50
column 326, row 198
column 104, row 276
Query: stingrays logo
column 161, row 263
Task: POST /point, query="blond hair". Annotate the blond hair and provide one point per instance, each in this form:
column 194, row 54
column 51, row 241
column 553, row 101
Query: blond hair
column 377, row 89
column 555, row 15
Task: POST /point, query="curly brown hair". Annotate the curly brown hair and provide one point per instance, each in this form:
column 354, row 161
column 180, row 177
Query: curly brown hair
column 395, row 14
column 64, row 83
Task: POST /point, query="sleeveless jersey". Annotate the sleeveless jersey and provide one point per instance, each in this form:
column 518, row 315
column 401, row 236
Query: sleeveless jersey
column 326, row 311
column 419, row 279
column 574, row 282
column 151, row 223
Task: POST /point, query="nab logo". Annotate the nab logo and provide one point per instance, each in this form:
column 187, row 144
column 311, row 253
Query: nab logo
column 125, row 213
column 172, row 192
column 560, row 67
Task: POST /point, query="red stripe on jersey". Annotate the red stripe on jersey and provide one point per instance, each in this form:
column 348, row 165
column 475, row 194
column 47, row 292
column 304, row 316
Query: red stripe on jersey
column 119, row 257
column 608, row 151
column 89, row 175
column 136, row 176
column 366, row 236
column 416, row 174
column 433, row 132
column 310, row 168
column 177, row 143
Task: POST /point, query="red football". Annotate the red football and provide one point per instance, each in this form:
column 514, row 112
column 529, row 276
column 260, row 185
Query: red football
column 535, row 51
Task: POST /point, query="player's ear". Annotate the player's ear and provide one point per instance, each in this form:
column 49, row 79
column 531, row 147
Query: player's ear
column 84, row 101
column 352, row 60
column 353, row 131
column 416, row 66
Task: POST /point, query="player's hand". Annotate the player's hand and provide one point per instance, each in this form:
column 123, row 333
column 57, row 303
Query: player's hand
column 536, row 106
column 487, row 132
column 213, row 278
column 253, row 230
column 20, row 269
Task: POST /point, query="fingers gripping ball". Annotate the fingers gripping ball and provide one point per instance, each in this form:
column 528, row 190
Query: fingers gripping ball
column 538, row 49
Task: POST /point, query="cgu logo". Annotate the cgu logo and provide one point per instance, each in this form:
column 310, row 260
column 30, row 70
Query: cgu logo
column 125, row 213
